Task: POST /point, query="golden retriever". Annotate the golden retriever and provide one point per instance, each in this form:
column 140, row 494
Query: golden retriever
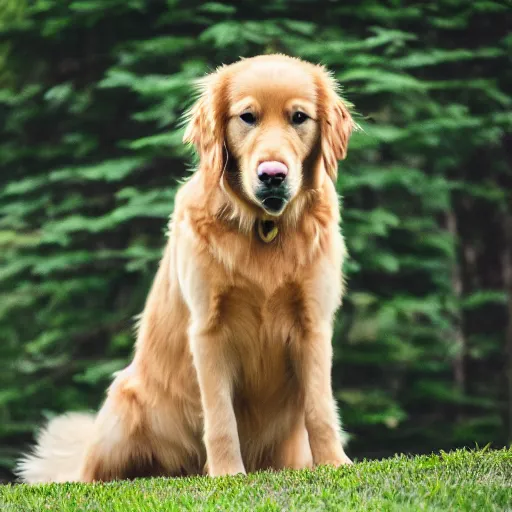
column 232, row 367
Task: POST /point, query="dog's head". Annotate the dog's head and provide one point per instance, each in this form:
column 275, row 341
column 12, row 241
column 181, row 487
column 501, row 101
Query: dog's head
column 269, row 128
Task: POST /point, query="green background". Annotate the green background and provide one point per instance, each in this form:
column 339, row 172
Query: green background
column 91, row 94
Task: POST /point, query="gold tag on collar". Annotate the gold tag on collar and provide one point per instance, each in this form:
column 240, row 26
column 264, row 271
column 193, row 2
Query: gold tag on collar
column 267, row 230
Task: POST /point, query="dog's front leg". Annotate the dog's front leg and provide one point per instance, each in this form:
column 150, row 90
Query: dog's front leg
column 216, row 382
column 322, row 420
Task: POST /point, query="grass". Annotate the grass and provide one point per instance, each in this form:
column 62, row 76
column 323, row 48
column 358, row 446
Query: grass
column 460, row 480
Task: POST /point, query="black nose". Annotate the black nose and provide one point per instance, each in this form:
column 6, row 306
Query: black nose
column 272, row 180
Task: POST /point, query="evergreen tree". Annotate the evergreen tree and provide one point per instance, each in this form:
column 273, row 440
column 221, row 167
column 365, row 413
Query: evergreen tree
column 91, row 156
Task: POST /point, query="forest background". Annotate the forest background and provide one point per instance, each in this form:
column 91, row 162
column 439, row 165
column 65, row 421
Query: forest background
column 91, row 95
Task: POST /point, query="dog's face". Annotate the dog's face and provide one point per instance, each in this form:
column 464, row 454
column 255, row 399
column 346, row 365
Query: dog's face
column 270, row 127
column 271, row 130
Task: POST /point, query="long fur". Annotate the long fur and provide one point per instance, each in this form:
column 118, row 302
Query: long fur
column 231, row 371
column 60, row 446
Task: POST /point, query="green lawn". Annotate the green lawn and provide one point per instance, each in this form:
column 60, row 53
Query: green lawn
column 460, row 480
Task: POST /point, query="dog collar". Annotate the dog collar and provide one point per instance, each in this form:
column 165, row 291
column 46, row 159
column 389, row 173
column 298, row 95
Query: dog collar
column 267, row 230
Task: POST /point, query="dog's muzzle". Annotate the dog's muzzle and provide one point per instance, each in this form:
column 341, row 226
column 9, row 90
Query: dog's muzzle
column 273, row 192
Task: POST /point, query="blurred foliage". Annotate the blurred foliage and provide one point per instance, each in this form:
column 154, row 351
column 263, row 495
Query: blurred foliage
column 91, row 94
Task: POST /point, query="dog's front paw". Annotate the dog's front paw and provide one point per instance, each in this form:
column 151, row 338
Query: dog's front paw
column 336, row 461
column 225, row 470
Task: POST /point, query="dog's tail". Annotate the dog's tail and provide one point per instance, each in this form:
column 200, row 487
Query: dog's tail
column 59, row 452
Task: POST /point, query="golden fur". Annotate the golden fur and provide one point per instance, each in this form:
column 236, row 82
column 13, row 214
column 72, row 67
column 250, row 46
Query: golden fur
column 231, row 371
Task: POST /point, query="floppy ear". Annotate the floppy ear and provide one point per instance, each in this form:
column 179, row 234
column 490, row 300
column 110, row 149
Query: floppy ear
column 205, row 125
column 336, row 124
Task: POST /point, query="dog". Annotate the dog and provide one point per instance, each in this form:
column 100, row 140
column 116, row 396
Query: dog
column 232, row 366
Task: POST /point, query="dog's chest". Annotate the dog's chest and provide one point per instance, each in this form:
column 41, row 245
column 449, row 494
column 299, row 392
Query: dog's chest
column 253, row 316
column 264, row 332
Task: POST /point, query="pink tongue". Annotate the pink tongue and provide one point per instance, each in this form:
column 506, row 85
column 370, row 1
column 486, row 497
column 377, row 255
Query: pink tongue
column 271, row 168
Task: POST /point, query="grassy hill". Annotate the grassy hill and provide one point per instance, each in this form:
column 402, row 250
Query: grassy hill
column 461, row 480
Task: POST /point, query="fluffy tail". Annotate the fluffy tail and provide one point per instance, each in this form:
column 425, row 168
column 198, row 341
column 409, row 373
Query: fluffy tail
column 59, row 452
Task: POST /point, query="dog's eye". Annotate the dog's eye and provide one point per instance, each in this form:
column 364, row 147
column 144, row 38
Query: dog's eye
column 248, row 118
column 299, row 117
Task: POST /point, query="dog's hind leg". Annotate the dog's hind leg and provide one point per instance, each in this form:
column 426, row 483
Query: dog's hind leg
column 294, row 452
column 118, row 449
column 124, row 444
